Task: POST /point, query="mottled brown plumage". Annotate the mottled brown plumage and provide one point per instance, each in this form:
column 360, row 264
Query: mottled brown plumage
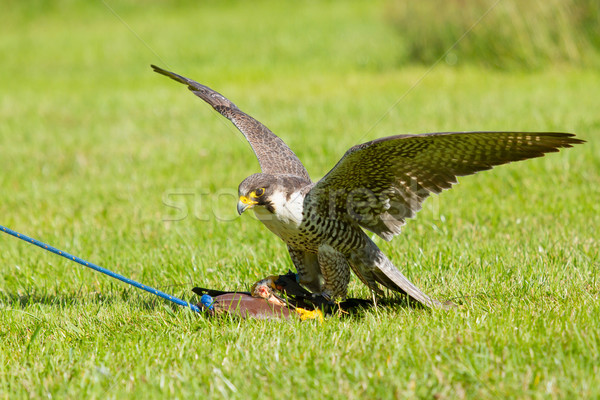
column 393, row 176
column 274, row 156
column 376, row 185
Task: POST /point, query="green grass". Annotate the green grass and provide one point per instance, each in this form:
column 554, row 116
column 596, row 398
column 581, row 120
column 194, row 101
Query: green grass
column 94, row 146
column 507, row 34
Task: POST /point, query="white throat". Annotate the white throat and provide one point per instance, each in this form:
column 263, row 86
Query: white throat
column 287, row 216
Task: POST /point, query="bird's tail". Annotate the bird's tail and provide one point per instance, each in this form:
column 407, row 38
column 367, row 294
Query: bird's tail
column 377, row 266
column 389, row 276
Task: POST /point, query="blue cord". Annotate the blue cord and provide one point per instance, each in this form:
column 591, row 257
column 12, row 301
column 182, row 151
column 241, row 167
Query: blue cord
column 207, row 301
column 100, row 269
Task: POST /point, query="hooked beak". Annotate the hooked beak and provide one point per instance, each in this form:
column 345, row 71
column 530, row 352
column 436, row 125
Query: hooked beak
column 245, row 203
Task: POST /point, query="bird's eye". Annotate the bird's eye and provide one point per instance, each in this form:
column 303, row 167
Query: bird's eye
column 259, row 192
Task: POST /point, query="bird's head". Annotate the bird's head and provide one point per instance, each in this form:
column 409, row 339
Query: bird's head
column 254, row 191
column 273, row 193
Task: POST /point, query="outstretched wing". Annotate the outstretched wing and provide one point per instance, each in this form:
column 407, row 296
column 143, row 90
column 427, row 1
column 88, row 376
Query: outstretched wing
column 381, row 183
column 274, row 156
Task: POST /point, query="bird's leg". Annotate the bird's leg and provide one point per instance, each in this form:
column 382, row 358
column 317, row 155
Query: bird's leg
column 335, row 270
column 307, row 266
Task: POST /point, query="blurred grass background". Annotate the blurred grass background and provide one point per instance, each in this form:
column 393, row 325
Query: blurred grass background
column 505, row 34
column 111, row 162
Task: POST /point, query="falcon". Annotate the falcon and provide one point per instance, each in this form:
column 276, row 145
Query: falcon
column 375, row 186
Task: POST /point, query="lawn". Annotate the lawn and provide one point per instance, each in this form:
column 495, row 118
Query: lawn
column 109, row 161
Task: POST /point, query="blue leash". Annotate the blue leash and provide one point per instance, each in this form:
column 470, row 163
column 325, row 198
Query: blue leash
column 102, row 270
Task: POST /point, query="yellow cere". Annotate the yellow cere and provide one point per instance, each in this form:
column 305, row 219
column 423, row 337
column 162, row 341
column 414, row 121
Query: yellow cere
column 246, row 200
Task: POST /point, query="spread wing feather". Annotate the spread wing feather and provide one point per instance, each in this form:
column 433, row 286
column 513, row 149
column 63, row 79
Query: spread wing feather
column 274, row 156
column 379, row 184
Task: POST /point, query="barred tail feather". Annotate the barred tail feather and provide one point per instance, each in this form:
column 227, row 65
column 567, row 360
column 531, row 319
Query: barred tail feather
column 389, row 276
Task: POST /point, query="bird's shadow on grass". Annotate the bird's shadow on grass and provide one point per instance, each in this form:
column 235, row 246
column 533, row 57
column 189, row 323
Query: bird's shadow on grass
column 134, row 298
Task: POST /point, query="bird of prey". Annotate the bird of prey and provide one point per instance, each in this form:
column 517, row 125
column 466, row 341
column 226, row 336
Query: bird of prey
column 375, row 186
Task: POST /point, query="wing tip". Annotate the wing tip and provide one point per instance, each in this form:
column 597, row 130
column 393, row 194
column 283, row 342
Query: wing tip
column 172, row 75
column 159, row 70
